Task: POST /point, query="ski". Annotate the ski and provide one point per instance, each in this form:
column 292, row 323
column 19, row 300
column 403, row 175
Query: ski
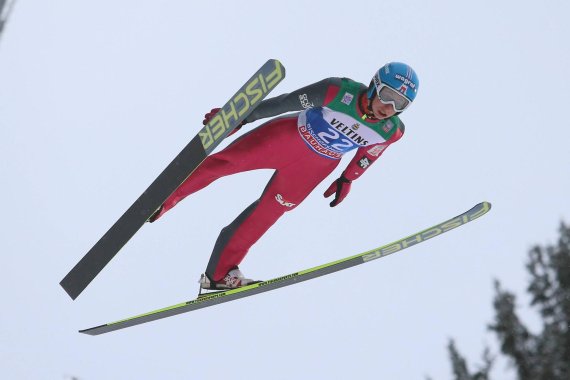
column 211, row 299
column 208, row 138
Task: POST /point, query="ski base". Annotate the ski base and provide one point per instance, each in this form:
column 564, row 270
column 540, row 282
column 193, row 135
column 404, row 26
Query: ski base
column 211, row 299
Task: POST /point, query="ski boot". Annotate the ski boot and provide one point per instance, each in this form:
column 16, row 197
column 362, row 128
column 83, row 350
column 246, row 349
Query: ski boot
column 233, row 280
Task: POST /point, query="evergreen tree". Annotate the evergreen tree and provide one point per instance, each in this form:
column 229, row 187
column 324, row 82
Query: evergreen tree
column 541, row 356
column 459, row 365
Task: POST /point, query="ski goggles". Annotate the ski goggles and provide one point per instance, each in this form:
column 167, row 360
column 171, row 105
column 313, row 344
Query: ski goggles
column 388, row 95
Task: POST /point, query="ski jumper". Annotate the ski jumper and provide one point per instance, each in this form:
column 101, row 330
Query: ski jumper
column 303, row 148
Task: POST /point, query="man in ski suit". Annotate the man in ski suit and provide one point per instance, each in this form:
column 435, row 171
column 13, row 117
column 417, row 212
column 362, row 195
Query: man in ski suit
column 336, row 115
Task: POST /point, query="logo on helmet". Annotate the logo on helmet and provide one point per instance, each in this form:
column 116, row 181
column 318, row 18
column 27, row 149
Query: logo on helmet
column 377, row 81
column 405, row 81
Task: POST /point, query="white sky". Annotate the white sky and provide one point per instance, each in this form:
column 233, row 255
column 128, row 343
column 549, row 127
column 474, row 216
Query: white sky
column 97, row 97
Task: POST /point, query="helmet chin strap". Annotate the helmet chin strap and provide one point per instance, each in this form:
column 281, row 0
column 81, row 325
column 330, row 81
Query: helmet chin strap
column 368, row 113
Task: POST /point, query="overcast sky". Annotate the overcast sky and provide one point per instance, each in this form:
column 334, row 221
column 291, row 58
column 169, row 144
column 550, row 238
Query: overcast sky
column 97, row 97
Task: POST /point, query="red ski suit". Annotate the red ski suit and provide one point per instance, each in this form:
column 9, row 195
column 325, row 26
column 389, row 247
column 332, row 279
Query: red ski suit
column 302, row 153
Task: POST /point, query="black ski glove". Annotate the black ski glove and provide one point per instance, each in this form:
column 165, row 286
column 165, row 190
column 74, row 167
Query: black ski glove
column 341, row 188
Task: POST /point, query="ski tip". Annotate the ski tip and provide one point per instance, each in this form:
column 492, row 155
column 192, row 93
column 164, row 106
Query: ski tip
column 479, row 209
column 277, row 63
